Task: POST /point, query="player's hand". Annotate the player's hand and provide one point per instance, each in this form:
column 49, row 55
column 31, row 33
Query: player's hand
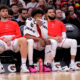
column 39, row 22
column 7, row 40
column 58, row 39
column 42, row 42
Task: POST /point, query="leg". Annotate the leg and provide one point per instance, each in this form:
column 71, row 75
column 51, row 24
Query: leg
column 48, row 56
column 71, row 43
column 30, row 51
column 30, row 55
column 48, row 52
column 3, row 46
column 54, row 45
column 22, row 44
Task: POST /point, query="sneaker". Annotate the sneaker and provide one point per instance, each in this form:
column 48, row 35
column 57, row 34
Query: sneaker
column 47, row 68
column 32, row 69
column 24, row 68
column 56, row 67
column 65, row 68
column 73, row 67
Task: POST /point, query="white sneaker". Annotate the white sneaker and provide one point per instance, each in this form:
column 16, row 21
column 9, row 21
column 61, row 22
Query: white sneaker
column 73, row 67
column 24, row 68
column 56, row 67
column 65, row 68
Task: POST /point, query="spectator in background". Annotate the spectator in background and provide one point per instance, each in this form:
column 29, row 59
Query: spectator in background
column 42, row 4
column 64, row 7
column 10, row 14
column 32, row 4
column 5, row 2
column 22, row 3
column 15, row 9
column 50, row 2
column 59, row 15
column 19, row 4
column 29, row 12
column 71, row 11
column 10, row 37
column 22, row 18
column 58, row 4
column 71, row 17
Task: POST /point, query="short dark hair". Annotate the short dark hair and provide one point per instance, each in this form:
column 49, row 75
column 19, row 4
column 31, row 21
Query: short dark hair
column 21, row 9
column 50, row 8
column 13, row 5
column 3, row 7
column 36, row 11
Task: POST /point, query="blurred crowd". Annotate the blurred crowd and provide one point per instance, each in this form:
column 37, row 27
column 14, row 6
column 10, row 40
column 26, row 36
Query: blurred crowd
column 68, row 10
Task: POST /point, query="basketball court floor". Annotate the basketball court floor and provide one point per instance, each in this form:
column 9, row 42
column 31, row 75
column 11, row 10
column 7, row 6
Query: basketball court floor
column 41, row 76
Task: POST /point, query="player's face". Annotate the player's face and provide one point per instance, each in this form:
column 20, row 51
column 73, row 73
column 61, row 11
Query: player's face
column 38, row 16
column 51, row 13
column 4, row 13
column 58, row 14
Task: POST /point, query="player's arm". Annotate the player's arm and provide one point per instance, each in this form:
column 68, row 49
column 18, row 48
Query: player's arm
column 28, row 36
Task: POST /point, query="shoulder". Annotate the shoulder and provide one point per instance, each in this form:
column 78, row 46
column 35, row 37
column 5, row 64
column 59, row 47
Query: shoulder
column 13, row 23
column 30, row 21
column 59, row 22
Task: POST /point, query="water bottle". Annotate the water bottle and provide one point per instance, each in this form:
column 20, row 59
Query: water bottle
column 40, row 65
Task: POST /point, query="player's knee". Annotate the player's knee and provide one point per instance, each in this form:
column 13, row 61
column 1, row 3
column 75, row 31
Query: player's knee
column 53, row 42
column 22, row 40
column 42, row 43
column 74, row 42
column 48, row 42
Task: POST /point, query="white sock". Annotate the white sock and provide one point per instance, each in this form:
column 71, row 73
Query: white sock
column 23, row 60
column 52, row 63
column 72, row 61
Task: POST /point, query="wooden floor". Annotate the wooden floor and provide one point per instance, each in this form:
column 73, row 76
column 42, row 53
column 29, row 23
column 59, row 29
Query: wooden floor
column 41, row 76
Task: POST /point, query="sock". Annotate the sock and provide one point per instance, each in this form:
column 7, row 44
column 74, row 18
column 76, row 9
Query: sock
column 52, row 63
column 23, row 60
column 72, row 61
